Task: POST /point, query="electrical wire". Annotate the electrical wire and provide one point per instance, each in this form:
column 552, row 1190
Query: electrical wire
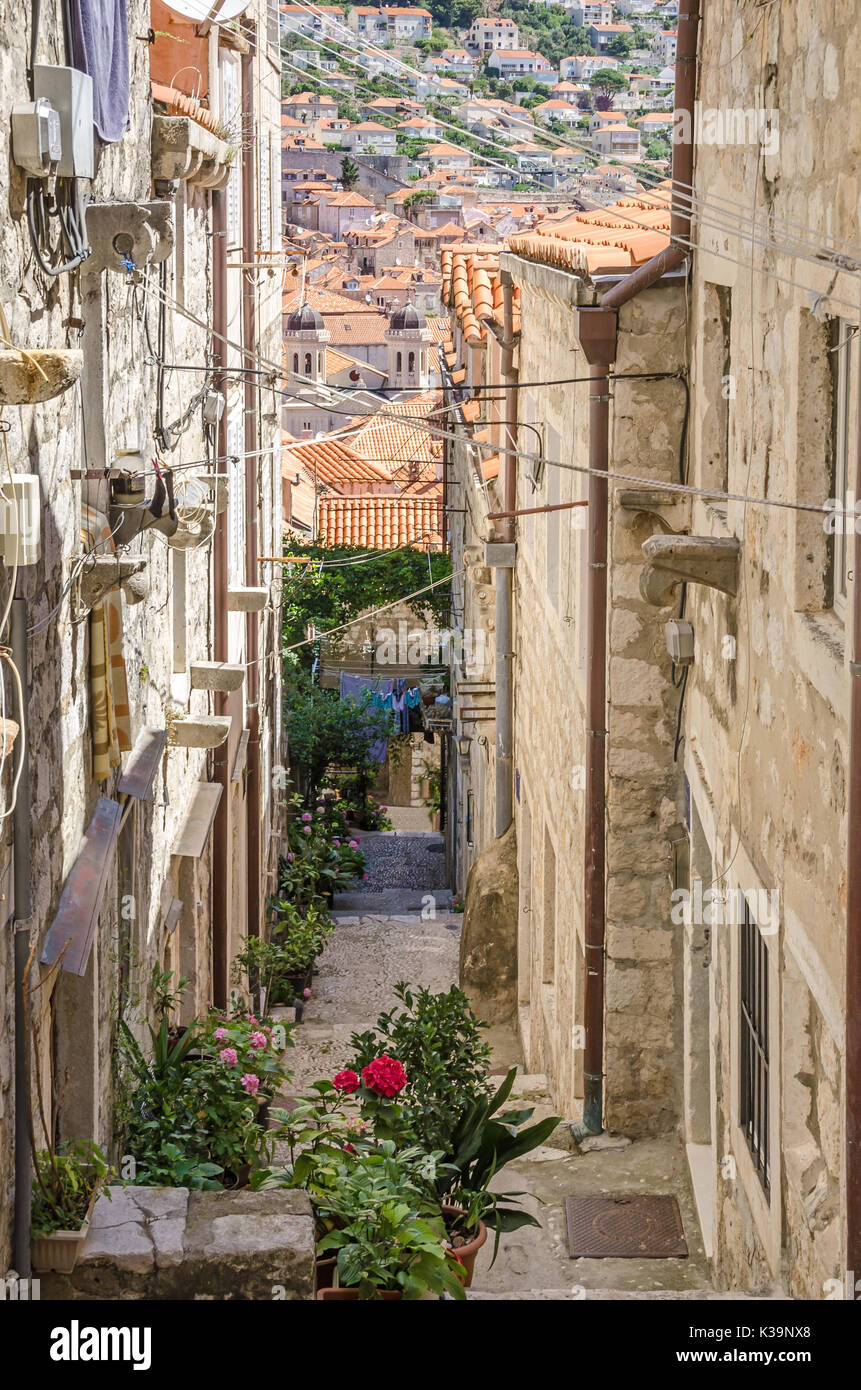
column 440, row 432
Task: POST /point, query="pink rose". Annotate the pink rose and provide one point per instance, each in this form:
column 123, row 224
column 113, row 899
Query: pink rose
column 354, row 844
column 258, row 1040
column 364, row 878
column 306, row 816
column 228, row 1056
column 337, row 844
column 306, row 830
column 251, row 1083
column 220, row 1034
column 290, row 858
column 345, row 1081
column 306, row 994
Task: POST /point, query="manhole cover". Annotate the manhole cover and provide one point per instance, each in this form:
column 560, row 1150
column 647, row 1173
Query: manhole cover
column 624, row 1228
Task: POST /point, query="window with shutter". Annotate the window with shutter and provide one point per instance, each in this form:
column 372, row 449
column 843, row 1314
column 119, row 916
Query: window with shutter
column 230, row 115
column 236, row 496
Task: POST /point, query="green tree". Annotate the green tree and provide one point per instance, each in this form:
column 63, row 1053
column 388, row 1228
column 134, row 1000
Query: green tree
column 325, row 731
column 606, row 83
column 620, row 46
column 657, row 149
column 333, row 595
column 349, row 172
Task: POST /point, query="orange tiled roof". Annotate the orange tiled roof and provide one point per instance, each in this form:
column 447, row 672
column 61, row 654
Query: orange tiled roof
column 178, row 104
column 330, row 461
column 600, row 240
column 381, row 523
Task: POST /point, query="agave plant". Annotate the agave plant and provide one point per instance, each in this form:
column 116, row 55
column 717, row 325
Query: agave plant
column 485, row 1141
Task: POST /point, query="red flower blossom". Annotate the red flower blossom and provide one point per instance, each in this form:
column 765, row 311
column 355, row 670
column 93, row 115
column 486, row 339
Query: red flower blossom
column 385, row 1076
column 345, row 1081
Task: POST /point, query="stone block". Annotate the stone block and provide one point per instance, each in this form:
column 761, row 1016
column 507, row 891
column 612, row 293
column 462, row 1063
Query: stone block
column 169, row 1243
column 216, row 675
column 246, row 600
column 200, row 731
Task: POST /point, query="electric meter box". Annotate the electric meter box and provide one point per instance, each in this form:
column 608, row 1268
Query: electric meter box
column 36, row 141
column 70, row 92
column 680, row 641
column 20, row 520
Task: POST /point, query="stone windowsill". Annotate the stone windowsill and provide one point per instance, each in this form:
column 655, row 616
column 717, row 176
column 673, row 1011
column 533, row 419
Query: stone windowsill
column 184, row 149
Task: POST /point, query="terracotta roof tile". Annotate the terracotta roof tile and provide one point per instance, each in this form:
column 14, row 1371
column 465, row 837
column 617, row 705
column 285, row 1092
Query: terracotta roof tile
column 381, row 523
column 330, row 461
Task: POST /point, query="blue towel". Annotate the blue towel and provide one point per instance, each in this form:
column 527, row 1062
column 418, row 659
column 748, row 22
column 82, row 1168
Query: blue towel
column 100, row 47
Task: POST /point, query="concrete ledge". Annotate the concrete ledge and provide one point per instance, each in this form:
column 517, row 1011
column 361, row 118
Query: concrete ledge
column 170, row 1243
column 215, row 675
column 246, row 600
column 200, row 731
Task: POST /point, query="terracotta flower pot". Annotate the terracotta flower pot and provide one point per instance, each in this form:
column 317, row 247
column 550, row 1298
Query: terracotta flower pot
column 352, row 1295
column 325, row 1268
column 467, row 1253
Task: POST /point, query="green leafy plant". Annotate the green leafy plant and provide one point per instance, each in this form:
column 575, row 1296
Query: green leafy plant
column 438, row 1041
column 66, row 1179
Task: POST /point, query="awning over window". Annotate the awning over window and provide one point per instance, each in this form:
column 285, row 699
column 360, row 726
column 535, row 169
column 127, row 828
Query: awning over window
column 75, row 923
column 140, row 770
column 198, row 823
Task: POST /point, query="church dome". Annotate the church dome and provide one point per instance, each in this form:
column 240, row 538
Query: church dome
column 305, row 319
column 408, row 316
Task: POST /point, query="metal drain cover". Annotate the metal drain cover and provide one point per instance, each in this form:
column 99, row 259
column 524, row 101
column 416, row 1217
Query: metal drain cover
column 624, row 1227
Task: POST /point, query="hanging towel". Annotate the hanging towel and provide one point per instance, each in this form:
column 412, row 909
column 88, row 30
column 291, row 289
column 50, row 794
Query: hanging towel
column 100, row 47
column 352, row 686
column 110, row 719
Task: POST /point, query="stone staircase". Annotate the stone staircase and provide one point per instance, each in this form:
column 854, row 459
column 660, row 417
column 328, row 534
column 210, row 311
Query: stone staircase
column 404, row 868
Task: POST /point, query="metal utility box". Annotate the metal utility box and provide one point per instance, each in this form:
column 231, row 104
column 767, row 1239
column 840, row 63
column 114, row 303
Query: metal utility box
column 70, row 92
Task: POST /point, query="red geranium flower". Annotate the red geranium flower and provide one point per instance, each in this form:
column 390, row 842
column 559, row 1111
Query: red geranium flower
column 345, row 1081
column 385, row 1076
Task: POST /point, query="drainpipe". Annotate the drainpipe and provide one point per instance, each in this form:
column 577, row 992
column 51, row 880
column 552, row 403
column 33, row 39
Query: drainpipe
column 23, row 910
column 220, row 766
column 504, row 652
column 252, row 572
column 598, row 341
column 597, row 331
column 682, row 171
column 853, row 938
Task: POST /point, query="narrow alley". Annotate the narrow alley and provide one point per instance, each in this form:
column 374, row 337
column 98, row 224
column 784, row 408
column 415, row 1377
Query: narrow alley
column 390, row 932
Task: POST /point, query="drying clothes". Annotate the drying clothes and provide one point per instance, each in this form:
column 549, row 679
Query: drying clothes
column 100, row 47
column 352, row 687
column 414, row 697
column 399, row 705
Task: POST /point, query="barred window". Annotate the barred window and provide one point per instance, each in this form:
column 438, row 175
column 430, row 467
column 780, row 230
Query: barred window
column 753, row 1048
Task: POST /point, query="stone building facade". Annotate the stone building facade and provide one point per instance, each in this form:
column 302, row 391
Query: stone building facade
column 185, row 615
column 727, row 769
column 774, row 373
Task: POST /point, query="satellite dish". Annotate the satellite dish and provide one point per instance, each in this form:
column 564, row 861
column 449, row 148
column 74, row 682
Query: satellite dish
column 203, row 9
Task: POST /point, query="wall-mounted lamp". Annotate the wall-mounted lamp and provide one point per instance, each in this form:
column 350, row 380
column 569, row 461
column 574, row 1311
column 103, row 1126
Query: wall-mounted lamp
column 463, row 745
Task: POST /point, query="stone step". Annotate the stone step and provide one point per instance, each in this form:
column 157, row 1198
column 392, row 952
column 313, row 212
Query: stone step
column 392, row 901
column 576, row 1294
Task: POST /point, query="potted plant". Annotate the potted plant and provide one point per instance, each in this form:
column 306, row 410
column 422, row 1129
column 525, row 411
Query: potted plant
column 68, row 1180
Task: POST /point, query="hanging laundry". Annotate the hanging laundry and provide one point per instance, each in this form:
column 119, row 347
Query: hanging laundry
column 353, row 686
column 100, row 47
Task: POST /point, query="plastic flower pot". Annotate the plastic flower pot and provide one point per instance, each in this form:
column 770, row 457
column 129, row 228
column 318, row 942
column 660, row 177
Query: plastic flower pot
column 465, row 1253
column 59, row 1252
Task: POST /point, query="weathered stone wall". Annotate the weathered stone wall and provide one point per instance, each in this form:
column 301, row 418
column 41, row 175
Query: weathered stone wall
column 50, row 440
column 551, row 576
column 765, row 724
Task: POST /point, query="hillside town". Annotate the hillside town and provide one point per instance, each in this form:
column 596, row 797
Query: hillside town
column 430, row 667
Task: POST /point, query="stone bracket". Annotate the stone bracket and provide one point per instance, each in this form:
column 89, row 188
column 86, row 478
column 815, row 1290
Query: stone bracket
column 107, row 572
column 634, row 503
column 118, row 232
column 500, row 554
column 184, row 149
column 673, row 560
